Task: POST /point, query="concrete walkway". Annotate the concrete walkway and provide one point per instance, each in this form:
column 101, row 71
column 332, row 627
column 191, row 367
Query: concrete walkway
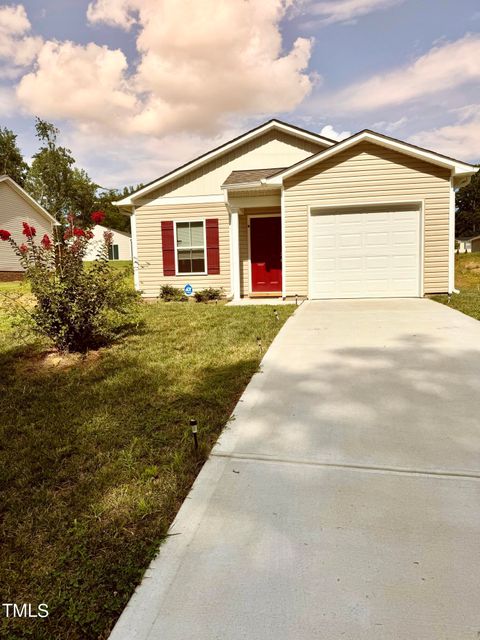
column 343, row 500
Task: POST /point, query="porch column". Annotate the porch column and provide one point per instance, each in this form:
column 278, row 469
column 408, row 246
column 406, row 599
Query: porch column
column 235, row 252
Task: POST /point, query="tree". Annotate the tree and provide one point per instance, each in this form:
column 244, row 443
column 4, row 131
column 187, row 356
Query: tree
column 113, row 217
column 62, row 188
column 467, row 204
column 83, row 195
column 77, row 307
column 50, row 177
column 11, row 160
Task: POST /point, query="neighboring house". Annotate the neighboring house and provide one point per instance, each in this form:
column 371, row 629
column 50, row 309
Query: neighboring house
column 282, row 211
column 16, row 206
column 120, row 249
column 464, row 245
column 475, row 244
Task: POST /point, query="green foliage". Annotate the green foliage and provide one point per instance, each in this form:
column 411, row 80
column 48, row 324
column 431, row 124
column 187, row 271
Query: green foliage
column 78, row 307
column 83, row 195
column 113, row 218
column 56, row 183
column 467, row 280
column 467, row 203
column 172, row 294
column 205, row 295
column 49, row 179
column 11, row 160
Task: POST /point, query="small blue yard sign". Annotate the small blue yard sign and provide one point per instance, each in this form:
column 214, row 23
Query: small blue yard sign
column 188, row 289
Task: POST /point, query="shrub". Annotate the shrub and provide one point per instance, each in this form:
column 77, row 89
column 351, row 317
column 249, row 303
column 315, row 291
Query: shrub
column 172, row 294
column 208, row 294
column 76, row 307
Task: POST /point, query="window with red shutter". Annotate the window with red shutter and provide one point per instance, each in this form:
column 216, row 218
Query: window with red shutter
column 168, row 248
column 213, row 246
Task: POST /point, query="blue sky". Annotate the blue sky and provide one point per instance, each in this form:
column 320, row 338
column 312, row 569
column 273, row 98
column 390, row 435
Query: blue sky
column 138, row 86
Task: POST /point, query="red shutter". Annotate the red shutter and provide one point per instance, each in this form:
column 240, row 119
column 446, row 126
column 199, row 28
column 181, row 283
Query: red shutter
column 168, row 248
column 213, row 248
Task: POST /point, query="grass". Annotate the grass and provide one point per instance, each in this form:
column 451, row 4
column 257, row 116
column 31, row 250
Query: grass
column 467, row 280
column 96, row 455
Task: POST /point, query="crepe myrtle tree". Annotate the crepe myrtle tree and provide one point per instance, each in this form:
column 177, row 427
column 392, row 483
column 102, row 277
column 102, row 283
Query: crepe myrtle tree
column 78, row 306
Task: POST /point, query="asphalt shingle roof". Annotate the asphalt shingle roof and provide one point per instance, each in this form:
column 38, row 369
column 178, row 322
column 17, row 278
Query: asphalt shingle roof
column 250, row 175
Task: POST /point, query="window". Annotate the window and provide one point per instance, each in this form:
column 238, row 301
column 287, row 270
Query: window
column 113, row 252
column 190, row 247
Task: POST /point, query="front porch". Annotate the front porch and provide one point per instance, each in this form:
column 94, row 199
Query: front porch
column 256, row 238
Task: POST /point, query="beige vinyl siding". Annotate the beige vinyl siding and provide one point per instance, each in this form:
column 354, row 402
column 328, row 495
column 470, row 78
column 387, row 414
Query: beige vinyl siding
column 368, row 173
column 244, row 231
column 270, row 150
column 149, row 245
column 14, row 209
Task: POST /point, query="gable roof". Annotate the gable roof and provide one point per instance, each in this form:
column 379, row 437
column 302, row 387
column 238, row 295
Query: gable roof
column 272, row 124
column 245, row 176
column 459, row 168
column 101, row 228
column 21, row 192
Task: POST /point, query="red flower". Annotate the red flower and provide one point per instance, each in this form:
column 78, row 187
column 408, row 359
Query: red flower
column 5, row 235
column 23, row 248
column 78, row 232
column 89, row 234
column 98, row 217
column 46, row 242
column 28, row 230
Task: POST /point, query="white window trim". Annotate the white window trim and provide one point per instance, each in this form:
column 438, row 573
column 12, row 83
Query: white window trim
column 191, row 273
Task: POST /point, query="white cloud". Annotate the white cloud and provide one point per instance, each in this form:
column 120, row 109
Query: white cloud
column 459, row 140
column 82, row 83
column 332, row 11
column 193, row 75
column 390, row 127
column 445, row 67
column 117, row 13
column 7, row 102
column 16, row 46
column 329, row 132
column 115, row 160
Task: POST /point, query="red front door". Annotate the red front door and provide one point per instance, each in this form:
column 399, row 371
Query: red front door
column 266, row 254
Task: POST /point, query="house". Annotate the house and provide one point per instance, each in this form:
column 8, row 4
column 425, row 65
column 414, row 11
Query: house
column 281, row 211
column 464, row 245
column 475, row 244
column 16, row 206
column 120, row 249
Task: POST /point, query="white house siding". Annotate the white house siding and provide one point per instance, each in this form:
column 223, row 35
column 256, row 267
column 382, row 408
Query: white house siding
column 368, row 173
column 149, row 243
column 14, row 209
column 122, row 240
column 270, row 150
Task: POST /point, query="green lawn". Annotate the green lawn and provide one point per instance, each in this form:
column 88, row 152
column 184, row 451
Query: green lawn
column 467, row 280
column 96, row 455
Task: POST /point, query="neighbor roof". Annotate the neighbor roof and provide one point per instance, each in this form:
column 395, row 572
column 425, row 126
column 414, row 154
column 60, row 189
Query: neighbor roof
column 245, row 176
column 219, row 151
column 459, row 168
column 16, row 187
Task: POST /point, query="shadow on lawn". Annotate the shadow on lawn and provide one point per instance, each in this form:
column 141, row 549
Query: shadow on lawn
column 96, row 461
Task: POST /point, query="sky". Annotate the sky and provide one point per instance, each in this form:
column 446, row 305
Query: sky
column 138, row 87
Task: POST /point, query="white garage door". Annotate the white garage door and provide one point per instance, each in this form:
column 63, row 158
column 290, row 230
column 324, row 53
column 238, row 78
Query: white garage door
column 365, row 254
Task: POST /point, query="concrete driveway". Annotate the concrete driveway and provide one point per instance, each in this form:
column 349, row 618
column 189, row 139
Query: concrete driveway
column 342, row 502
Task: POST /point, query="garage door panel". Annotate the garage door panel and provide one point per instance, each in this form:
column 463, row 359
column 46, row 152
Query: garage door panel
column 365, row 254
column 376, row 238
